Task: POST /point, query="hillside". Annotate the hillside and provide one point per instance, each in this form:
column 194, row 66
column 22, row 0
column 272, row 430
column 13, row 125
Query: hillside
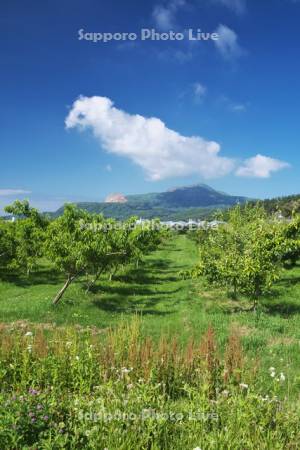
column 286, row 205
column 196, row 201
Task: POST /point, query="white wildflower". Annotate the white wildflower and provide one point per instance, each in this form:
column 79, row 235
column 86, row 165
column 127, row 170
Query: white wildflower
column 244, row 386
column 29, row 348
column 282, row 377
column 77, row 358
column 28, row 334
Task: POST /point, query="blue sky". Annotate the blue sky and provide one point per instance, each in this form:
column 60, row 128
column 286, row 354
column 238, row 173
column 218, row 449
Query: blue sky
column 228, row 111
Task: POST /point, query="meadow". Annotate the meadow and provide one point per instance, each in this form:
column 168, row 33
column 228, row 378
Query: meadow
column 148, row 342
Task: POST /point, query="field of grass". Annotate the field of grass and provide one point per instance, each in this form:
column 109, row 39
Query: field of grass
column 169, row 308
column 168, row 303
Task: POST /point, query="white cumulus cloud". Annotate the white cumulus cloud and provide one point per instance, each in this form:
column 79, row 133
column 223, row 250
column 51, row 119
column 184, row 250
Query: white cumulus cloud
column 160, row 151
column 260, row 167
column 227, row 44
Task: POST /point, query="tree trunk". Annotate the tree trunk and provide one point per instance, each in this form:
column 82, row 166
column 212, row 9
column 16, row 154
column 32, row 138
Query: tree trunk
column 112, row 273
column 63, row 289
column 92, row 282
column 254, row 304
column 234, row 289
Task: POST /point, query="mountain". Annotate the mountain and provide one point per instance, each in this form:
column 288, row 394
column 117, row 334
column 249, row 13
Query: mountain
column 196, row 202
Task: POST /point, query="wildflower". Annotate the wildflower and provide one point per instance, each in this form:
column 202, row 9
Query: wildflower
column 28, row 334
column 29, row 348
column 77, row 358
column 46, row 418
column 225, row 393
column 124, row 370
column 68, row 344
column 272, row 371
column 33, row 391
column 197, row 448
column 129, row 386
column 33, row 420
column 31, row 414
column 39, row 406
column 282, row 377
column 244, row 386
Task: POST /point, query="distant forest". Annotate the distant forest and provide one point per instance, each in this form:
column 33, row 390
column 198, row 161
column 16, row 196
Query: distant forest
column 285, row 205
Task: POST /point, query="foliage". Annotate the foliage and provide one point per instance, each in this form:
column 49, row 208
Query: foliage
column 291, row 240
column 78, row 242
column 71, row 389
column 7, row 243
column 286, row 206
column 28, row 233
column 244, row 254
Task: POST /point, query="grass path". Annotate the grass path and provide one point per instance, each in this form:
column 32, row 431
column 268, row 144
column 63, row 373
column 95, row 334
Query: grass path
column 155, row 289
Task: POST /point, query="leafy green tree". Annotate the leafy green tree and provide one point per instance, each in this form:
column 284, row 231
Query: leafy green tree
column 67, row 245
column 143, row 239
column 244, row 255
column 106, row 249
column 29, row 233
column 7, row 243
column 291, row 240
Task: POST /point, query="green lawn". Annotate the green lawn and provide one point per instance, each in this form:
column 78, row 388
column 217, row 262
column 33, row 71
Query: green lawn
column 169, row 305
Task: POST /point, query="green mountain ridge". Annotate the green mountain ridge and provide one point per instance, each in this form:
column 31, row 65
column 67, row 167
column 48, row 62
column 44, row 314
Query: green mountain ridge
column 181, row 203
